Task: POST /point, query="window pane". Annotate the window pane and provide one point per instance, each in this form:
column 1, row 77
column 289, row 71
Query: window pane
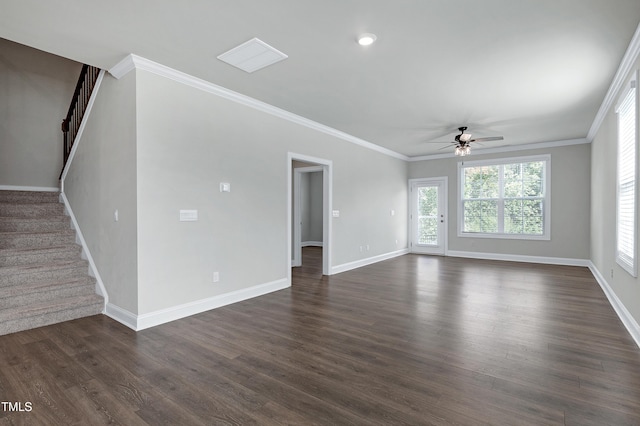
column 428, row 215
column 523, row 217
column 626, row 194
column 481, row 182
column 427, row 230
column 481, row 216
column 532, row 176
column 512, row 176
column 428, row 201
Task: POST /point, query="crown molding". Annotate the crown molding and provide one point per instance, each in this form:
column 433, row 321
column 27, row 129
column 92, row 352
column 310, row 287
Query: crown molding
column 510, row 148
column 629, row 58
column 132, row 62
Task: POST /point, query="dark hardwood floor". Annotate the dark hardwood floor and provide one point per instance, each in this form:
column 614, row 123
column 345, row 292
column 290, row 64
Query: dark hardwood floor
column 413, row 340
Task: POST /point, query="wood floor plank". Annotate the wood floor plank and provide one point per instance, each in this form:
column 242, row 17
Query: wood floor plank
column 411, row 340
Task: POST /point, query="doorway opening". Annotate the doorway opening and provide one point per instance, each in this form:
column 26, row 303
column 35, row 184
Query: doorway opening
column 309, row 212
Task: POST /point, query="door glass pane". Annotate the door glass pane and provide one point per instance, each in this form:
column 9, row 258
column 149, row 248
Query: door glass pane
column 428, row 215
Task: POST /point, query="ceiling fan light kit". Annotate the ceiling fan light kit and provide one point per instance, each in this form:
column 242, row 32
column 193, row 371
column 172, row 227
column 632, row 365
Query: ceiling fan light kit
column 462, row 150
column 463, row 141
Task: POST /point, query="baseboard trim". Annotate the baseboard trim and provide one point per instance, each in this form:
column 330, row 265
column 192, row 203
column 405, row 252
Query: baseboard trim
column 29, row 188
column 629, row 322
column 162, row 316
column 368, row 261
column 93, row 269
column 520, row 258
column 311, row 244
column 121, row 315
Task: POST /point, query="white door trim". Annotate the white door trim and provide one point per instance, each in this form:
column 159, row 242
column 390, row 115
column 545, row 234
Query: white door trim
column 326, row 166
column 442, row 204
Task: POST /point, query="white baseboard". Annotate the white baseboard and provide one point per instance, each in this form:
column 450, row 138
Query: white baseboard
column 29, row 188
column 368, row 261
column 311, row 244
column 520, row 258
column 629, row 322
column 151, row 319
column 93, row 269
column 123, row 316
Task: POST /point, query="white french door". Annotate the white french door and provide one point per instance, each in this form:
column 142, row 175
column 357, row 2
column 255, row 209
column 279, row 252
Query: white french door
column 428, row 215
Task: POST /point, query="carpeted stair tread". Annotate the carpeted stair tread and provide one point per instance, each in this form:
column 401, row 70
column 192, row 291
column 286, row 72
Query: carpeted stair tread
column 31, row 224
column 39, row 255
column 22, row 197
column 26, row 210
column 40, row 292
column 50, row 312
column 36, row 239
column 16, row 275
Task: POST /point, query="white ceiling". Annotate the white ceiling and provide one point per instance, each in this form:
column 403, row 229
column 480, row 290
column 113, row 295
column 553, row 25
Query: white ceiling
column 530, row 70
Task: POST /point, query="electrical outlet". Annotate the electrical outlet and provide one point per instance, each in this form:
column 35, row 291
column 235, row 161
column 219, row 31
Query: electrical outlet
column 216, row 277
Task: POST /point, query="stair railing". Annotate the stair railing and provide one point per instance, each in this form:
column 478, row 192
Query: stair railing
column 79, row 102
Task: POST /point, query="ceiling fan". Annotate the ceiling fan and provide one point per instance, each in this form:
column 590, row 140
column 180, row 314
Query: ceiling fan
column 463, row 141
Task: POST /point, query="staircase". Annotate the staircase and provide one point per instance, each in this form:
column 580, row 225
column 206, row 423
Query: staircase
column 43, row 279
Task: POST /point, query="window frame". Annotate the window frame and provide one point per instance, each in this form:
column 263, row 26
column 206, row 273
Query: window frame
column 625, row 262
column 546, row 234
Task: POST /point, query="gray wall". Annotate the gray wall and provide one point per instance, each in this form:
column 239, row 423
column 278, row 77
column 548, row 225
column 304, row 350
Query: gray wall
column 101, row 179
column 570, row 204
column 36, row 89
column 188, row 145
column 311, row 207
column 603, row 214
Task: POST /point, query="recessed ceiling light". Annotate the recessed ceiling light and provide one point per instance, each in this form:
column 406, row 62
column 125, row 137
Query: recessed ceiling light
column 366, row 39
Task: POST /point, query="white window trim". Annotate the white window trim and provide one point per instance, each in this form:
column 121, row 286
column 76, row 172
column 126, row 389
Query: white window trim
column 624, row 264
column 546, row 235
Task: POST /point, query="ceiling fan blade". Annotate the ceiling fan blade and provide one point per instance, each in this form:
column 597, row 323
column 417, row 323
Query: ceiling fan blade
column 492, row 138
column 444, row 147
column 438, row 142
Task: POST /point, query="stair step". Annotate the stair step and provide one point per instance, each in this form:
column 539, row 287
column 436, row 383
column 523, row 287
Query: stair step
column 20, row 240
column 27, row 210
column 54, row 311
column 60, row 271
column 43, row 280
column 19, row 197
column 34, row 256
column 18, row 224
column 41, row 292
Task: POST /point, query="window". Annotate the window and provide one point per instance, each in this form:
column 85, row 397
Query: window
column 506, row 198
column 626, row 181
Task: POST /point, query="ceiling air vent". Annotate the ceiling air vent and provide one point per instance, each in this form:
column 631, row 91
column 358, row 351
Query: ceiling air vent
column 252, row 55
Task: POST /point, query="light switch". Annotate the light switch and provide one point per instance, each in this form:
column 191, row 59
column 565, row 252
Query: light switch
column 336, row 213
column 188, row 215
column 225, row 187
